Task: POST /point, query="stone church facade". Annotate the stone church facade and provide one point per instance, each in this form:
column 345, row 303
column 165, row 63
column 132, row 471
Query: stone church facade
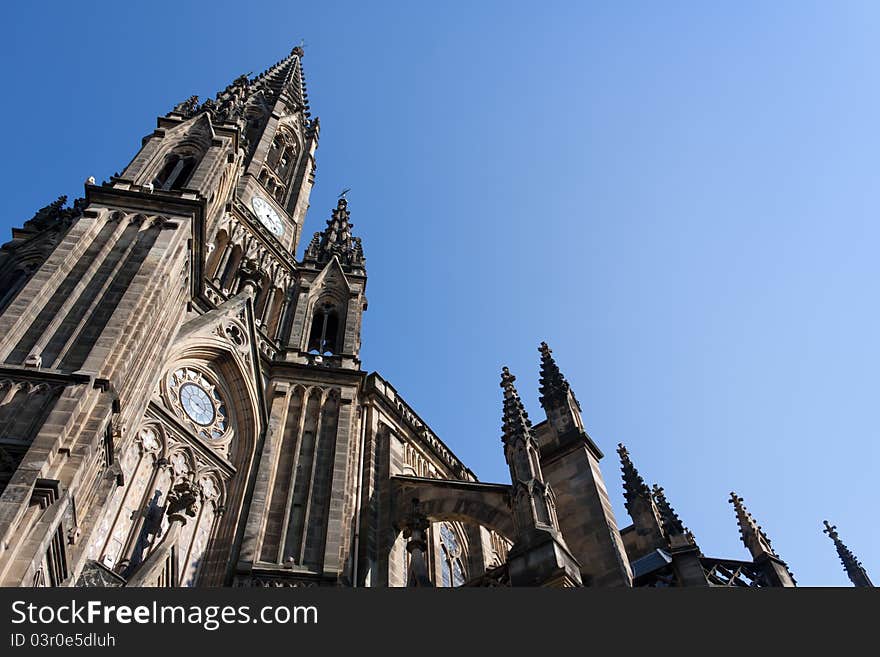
column 182, row 401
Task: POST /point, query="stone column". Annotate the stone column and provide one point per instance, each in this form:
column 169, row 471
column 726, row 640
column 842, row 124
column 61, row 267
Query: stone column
column 415, row 531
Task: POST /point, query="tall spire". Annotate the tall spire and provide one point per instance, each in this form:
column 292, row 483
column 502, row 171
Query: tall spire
column 336, row 240
column 283, row 80
column 753, row 537
column 856, row 572
column 554, row 387
column 675, row 530
column 635, row 490
column 286, row 77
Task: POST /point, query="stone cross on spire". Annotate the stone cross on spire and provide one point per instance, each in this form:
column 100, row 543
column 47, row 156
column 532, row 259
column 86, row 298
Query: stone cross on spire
column 856, row 572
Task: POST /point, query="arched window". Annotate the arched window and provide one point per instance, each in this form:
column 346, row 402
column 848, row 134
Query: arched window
column 325, row 327
column 451, row 570
column 286, row 160
column 176, row 172
column 275, row 151
column 282, row 154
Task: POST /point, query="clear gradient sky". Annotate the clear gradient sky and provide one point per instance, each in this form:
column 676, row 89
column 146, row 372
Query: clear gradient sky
column 682, row 198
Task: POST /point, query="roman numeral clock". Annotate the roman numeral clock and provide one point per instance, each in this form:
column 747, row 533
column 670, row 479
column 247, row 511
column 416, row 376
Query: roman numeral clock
column 267, row 215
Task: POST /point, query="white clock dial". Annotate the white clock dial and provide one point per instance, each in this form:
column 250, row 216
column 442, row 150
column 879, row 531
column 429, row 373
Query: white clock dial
column 197, row 403
column 267, row 215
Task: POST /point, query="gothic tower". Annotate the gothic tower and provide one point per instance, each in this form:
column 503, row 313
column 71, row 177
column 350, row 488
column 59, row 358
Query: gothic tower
column 156, row 331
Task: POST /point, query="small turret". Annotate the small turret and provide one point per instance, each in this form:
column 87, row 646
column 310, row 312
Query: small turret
column 336, row 240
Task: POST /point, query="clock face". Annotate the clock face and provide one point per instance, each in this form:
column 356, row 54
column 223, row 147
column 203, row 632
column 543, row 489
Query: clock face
column 267, row 215
column 197, row 403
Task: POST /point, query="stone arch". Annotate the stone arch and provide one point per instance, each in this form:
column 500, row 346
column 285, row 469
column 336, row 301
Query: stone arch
column 179, row 153
column 454, row 501
column 142, row 468
column 233, row 372
column 328, row 307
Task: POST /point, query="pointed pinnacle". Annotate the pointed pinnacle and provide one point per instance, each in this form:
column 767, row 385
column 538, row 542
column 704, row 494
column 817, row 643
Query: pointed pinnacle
column 671, row 522
column 675, row 530
column 634, row 487
column 554, row 387
column 336, row 239
column 854, row 569
column 516, row 420
column 753, row 537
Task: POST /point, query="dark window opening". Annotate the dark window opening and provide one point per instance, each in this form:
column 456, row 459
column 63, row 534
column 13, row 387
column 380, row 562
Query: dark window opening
column 325, row 326
column 176, row 172
column 275, row 152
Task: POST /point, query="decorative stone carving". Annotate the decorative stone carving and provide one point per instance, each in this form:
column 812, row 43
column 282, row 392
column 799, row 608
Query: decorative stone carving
column 188, row 107
column 183, row 501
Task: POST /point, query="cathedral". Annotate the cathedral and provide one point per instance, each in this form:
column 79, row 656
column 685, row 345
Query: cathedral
column 182, row 401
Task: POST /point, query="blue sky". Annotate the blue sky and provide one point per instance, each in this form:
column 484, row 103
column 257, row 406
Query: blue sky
column 681, row 198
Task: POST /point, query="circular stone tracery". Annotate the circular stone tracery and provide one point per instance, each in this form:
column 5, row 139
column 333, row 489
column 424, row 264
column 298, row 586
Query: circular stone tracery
column 196, row 399
column 197, row 404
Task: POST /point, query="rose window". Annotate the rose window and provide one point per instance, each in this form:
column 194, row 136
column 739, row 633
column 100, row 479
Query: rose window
column 197, row 401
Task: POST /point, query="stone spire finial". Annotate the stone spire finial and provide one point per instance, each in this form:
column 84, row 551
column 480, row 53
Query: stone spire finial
column 854, row 570
column 516, row 424
column 554, row 387
column 634, row 487
column 336, row 240
column 672, row 524
column 753, row 537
